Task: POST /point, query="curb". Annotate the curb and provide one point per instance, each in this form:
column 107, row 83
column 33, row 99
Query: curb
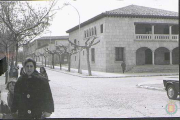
column 83, row 76
column 149, row 87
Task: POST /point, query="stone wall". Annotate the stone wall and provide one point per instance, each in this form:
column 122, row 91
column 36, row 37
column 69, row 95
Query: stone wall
column 118, row 32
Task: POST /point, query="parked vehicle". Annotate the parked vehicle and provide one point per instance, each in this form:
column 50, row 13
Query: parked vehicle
column 171, row 85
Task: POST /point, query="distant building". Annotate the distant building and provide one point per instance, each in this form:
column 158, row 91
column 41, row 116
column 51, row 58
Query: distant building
column 36, row 49
column 134, row 34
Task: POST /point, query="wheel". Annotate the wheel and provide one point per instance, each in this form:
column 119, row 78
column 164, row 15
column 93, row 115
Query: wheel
column 171, row 92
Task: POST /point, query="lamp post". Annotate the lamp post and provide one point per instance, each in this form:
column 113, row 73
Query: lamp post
column 79, row 65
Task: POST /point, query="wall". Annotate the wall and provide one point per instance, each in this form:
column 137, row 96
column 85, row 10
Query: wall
column 100, row 56
column 120, row 32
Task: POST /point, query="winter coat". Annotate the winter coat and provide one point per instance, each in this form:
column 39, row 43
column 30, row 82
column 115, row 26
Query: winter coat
column 10, row 99
column 4, row 109
column 32, row 96
column 44, row 75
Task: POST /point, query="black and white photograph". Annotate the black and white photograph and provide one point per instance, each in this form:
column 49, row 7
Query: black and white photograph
column 89, row 59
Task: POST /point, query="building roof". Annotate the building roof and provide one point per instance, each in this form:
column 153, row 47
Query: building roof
column 132, row 11
column 54, row 38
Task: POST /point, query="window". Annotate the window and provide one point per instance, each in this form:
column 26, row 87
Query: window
column 95, row 31
column 75, row 58
column 39, row 44
column 84, row 34
column 101, row 28
column 75, row 44
column 143, row 29
column 166, row 56
column 87, row 33
column 92, row 31
column 175, row 29
column 92, row 54
column 119, row 53
column 65, row 58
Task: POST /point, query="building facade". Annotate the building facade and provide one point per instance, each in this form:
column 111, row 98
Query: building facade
column 37, row 49
column 134, row 34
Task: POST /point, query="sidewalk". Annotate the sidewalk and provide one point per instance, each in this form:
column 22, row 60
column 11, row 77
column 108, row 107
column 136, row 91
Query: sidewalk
column 158, row 85
column 97, row 74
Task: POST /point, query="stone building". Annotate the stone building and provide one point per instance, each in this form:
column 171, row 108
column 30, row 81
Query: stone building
column 36, row 49
column 139, row 36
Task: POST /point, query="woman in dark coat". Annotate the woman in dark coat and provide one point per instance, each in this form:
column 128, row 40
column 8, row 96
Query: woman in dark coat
column 43, row 72
column 32, row 94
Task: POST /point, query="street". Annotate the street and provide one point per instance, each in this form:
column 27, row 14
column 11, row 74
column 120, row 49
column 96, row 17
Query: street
column 76, row 97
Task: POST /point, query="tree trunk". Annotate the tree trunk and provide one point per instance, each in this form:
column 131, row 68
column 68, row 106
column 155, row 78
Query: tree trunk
column 16, row 55
column 45, row 60
column 53, row 61
column 88, row 62
column 79, row 65
column 7, row 72
column 42, row 61
column 59, row 61
column 69, row 62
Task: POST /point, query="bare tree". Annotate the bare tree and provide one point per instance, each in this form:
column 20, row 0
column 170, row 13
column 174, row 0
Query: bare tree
column 44, row 55
column 52, row 52
column 88, row 44
column 25, row 20
column 69, row 51
column 59, row 52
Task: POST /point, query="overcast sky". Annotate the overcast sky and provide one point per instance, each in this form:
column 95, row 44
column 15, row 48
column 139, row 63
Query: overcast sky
column 68, row 17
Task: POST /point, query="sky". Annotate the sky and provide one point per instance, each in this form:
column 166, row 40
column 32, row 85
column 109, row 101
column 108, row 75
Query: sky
column 68, row 17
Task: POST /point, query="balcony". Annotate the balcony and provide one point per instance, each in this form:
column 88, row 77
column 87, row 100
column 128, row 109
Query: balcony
column 154, row 37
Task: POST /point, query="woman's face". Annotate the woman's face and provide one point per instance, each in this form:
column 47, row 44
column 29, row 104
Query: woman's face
column 11, row 87
column 29, row 68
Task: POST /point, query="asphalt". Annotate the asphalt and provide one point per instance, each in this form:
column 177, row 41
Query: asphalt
column 95, row 74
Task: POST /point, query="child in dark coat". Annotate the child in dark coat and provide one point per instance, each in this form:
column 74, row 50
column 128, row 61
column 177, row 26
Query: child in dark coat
column 4, row 110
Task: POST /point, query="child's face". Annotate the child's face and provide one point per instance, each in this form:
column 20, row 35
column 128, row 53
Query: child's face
column 11, row 87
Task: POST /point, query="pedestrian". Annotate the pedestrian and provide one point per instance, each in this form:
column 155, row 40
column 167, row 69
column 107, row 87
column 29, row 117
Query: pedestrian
column 43, row 72
column 10, row 87
column 123, row 66
column 32, row 94
column 4, row 110
column 22, row 71
column 15, row 72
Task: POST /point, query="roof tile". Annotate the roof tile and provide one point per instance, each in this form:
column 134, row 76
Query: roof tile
column 141, row 10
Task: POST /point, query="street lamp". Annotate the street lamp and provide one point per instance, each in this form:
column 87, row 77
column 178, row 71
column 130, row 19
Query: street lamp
column 79, row 67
